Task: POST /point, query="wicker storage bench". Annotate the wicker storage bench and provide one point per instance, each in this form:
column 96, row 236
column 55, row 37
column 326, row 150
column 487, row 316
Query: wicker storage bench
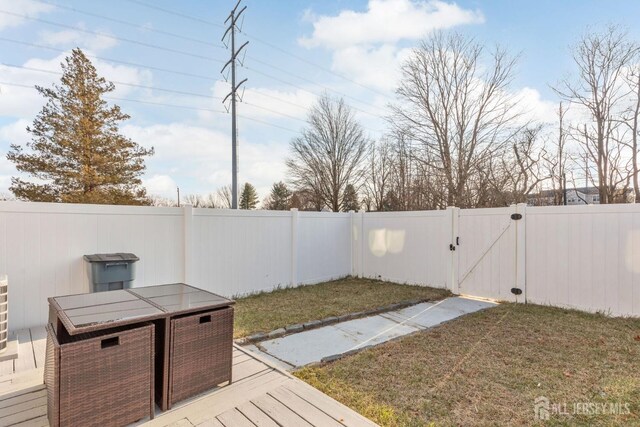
column 200, row 352
column 100, row 379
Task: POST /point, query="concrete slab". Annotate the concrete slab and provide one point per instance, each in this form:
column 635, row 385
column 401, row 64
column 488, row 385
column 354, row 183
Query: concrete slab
column 310, row 346
column 375, row 329
column 467, row 305
column 313, row 345
column 427, row 315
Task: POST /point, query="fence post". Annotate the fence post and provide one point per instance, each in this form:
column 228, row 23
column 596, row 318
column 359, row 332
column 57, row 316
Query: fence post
column 294, row 247
column 187, row 215
column 521, row 250
column 352, row 239
column 361, row 245
column 451, row 265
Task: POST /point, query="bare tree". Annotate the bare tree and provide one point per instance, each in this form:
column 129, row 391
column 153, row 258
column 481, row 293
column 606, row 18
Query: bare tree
column 399, row 197
column 630, row 120
column 157, row 201
column 456, row 105
column 378, row 179
column 330, row 152
column 555, row 160
column 601, row 60
column 528, row 175
column 209, row 201
column 223, row 195
column 307, row 200
column 194, row 200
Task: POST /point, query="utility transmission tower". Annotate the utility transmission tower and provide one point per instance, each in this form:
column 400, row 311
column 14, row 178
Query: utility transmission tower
column 231, row 32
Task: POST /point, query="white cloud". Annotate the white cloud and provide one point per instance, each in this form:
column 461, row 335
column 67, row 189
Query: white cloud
column 199, row 159
column 92, row 42
column 23, row 102
column 373, row 66
column 366, row 45
column 160, row 185
column 387, row 21
column 265, row 103
column 21, row 7
column 13, row 133
column 534, row 107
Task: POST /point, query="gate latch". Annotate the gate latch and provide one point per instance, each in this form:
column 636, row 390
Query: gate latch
column 452, row 247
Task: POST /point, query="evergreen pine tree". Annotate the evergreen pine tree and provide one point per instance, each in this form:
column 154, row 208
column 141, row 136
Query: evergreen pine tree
column 280, row 197
column 248, row 197
column 350, row 200
column 76, row 153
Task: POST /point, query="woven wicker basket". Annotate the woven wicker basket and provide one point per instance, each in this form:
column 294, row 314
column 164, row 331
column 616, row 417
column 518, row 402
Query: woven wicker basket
column 100, row 379
column 200, row 353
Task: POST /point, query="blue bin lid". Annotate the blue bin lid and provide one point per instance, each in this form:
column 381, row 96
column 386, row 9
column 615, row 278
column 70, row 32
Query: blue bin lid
column 117, row 257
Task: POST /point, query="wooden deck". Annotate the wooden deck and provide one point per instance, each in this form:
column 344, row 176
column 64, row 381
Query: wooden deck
column 260, row 395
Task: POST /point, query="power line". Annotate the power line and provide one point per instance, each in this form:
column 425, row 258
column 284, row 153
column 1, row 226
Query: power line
column 171, row 12
column 117, row 61
column 259, row 40
column 160, row 89
column 305, row 90
column 130, row 24
column 320, row 67
column 101, row 34
column 273, row 97
column 163, row 104
column 275, row 112
column 282, row 70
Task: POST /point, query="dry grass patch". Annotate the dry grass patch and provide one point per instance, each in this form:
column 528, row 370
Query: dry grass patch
column 488, row 367
column 269, row 311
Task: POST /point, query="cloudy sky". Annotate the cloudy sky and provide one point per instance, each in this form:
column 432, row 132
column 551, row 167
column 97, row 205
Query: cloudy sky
column 165, row 58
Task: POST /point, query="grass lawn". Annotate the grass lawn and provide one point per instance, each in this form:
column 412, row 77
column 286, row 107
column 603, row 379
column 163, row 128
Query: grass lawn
column 487, row 368
column 268, row 311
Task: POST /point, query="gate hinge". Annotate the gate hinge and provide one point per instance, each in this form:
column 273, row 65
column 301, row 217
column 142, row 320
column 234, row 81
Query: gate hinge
column 452, row 247
column 516, row 291
column 516, row 216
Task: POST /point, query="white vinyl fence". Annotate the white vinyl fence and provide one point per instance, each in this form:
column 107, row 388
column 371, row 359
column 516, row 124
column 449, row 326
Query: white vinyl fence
column 584, row 257
column 404, row 247
column 227, row 252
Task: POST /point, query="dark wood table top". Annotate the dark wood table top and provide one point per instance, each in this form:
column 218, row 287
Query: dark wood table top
column 83, row 313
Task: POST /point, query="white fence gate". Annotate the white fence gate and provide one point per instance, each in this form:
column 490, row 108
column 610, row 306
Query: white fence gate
column 487, row 249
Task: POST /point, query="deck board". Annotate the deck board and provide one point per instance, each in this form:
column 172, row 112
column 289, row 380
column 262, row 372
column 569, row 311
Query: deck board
column 234, row 418
column 302, row 407
column 39, row 343
column 280, row 413
column 256, row 415
column 25, row 360
column 260, row 395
